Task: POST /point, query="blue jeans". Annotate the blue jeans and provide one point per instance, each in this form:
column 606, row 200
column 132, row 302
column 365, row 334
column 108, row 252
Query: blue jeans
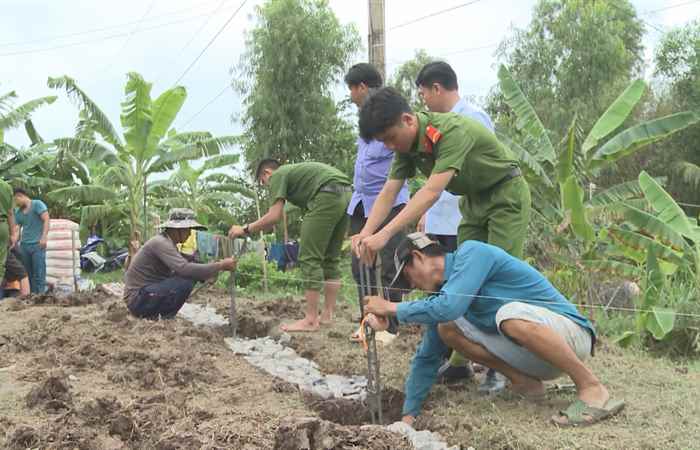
column 34, row 260
column 162, row 299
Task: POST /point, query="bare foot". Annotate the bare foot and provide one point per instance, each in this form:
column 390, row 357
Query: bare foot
column 595, row 395
column 300, row 325
column 326, row 318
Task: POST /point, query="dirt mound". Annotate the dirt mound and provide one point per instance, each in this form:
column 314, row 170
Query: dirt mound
column 74, row 299
column 263, row 317
column 355, row 412
column 53, row 394
column 22, row 438
column 315, row 434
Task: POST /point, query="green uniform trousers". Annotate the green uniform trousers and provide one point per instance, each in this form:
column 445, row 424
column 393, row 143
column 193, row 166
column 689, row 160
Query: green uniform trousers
column 499, row 217
column 322, row 234
column 4, row 245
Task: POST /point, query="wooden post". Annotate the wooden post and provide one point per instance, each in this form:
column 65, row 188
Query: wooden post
column 375, row 41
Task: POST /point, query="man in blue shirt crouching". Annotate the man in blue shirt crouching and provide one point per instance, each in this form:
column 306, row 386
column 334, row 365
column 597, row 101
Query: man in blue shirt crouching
column 498, row 311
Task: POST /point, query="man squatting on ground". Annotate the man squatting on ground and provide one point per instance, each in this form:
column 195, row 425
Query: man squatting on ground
column 438, row 87
column 457, row 154
column 323, row 193
column 159, row 279
column 497, row 311
column 371, row 171
column 11, row 269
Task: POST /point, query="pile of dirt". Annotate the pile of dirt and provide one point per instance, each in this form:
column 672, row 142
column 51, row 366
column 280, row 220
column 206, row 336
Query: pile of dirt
column 53, row 394
column 315, row 434
column 344, row 411
column 73, row 299
column 262, row 317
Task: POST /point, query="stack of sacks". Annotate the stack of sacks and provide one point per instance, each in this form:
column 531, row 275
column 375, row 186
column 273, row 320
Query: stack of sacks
column 62, row 254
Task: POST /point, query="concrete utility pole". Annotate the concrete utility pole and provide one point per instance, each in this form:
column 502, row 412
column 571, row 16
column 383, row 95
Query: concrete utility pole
column 375, row 40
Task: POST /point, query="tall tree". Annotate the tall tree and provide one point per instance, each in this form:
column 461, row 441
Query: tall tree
column 294, row 56
column 678, row 63
column 575, row 55
column 404, row 79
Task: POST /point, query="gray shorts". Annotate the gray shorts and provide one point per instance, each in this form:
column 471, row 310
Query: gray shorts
column 578, row 338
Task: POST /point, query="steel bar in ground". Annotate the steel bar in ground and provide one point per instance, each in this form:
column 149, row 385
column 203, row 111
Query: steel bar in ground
column 373, row 395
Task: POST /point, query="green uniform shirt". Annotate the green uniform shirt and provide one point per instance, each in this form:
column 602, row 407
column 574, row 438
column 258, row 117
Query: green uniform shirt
column 5, row 199
column 299, row 183
column 465, row 145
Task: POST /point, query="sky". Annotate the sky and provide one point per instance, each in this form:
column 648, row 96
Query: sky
column 97, row 42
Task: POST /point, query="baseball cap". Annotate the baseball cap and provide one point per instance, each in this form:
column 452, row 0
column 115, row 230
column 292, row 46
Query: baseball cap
column 413, row 241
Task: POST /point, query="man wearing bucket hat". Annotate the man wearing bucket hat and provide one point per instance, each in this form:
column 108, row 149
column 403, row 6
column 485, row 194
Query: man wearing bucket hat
column 498, row 311
column 159, row 279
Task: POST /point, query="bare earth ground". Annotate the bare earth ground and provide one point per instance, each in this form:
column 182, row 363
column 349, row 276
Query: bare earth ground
column 84, row 374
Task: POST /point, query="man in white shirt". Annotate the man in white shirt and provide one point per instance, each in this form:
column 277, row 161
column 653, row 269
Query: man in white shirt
column 438, row 87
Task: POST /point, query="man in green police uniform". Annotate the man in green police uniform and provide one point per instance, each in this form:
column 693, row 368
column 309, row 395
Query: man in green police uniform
column 323, row 193
column 7, row 221
column 457, row 154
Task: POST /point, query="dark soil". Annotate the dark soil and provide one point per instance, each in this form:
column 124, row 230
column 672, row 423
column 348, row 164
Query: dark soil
column 314, row 434
column 355, row 412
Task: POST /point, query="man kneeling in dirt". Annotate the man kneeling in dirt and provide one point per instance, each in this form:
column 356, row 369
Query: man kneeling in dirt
column 500, row 312
column 159, row 279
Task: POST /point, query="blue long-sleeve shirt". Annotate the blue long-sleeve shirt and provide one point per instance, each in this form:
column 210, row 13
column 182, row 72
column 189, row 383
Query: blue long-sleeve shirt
column 371, row 171
column 479, row 279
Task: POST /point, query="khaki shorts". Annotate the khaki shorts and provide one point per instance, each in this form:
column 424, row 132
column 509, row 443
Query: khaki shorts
column 518, row 357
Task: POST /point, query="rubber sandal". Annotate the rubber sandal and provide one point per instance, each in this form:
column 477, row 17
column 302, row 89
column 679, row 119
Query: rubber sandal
column 579, row 414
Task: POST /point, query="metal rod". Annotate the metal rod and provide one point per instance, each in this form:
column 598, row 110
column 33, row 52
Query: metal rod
column 374, row 400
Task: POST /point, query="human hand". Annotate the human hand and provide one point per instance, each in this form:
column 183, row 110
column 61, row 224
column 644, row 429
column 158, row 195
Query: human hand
column 371, row 245
column 355, row 240
column 421, row 224
column 42, row 243
column 377, row 323
column 376, row 305
column 228, row 264
column 236, row 231
column 408, row 420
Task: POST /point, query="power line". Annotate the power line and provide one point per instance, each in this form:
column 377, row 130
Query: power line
column 99, row 30
column 128, row 38
column 211, row 41
column 194, row 36
column 455, row 52
column 436, row 13
column 654, row 11
column 216, row 97
column 102, row 39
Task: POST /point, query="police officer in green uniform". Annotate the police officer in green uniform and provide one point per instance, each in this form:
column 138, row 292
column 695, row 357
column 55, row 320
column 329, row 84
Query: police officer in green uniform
column 323, row 193
column 457, row 154
column 6, row 224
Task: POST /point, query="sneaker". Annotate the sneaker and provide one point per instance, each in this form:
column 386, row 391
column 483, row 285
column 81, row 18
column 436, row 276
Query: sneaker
column 448, row 374
column 492, row 384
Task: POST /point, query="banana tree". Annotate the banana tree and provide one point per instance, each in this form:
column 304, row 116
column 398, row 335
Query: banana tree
column 211, row 195
column 575, row 164
column 149, row 145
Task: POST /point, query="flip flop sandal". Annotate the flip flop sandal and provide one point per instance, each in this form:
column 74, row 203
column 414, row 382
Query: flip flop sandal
column 579, row 414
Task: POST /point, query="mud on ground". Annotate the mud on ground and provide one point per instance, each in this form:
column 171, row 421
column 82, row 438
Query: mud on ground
column 87, row 375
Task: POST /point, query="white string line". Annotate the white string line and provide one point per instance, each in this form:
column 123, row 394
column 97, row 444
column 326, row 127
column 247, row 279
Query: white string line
column 488, row 297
